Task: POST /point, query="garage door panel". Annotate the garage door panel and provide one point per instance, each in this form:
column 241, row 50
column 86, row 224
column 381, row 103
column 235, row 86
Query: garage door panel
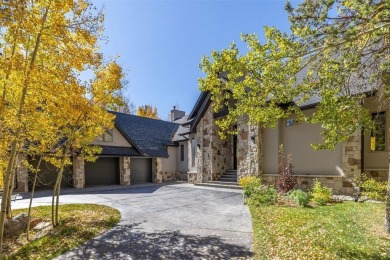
column 104, row 171
column 141, row 170
column 47, row 175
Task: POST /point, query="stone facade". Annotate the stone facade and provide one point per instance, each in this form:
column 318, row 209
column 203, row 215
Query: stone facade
column 21, row 175
column 249, row 149
column 192, row 177
column 174, row 176
column 78, row 172
column 378, row 175
column 214, row 155
column 124, row 166
column 351, row 161
column 306, row 182
column 157, row 170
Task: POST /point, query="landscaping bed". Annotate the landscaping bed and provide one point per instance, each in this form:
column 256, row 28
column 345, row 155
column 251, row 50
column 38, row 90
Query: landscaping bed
column 78, row 224
column 345, row 230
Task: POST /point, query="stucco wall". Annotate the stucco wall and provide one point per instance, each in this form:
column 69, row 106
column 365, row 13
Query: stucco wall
column 271, row 144
column 118, row 140
column 182, row 166
column 297, row 140
column 169, row 164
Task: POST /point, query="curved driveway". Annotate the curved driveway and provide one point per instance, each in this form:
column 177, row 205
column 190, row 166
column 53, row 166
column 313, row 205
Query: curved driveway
column 171, row 221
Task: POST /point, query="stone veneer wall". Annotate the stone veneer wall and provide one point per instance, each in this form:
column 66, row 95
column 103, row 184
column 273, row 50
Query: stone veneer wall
column 160, row 176
column 205, row 136
column 124, row 170
column 249, row 149
column 157, row 170
column 378, row 175
column 21, row 175
column 306, row 182
column 78, row 172
column 221, row 153
column 174, row 176
column 351, row 161
column 214, row 155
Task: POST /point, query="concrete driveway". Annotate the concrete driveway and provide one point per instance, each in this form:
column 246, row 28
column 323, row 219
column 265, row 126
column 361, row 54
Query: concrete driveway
column 171, row 221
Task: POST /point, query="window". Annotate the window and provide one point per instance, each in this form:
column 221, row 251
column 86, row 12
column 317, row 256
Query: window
column 193, row 152
column 378, row 134
column 291, row 122
column 182, row 153
column 106, row 137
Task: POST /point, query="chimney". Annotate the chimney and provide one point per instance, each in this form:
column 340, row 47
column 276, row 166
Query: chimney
column 176, row 114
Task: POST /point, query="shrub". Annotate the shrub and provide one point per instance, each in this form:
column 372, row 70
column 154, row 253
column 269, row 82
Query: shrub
column 373, row 189
column 249, row 184
column 286, row 180
column 263, row 195
column 321, row 194
column 300, row 197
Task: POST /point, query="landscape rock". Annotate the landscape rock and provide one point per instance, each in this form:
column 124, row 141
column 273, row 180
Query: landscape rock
column 16, row 225
column 35, row 222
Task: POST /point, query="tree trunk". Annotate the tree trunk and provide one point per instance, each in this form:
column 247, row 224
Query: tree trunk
column 55, row 199
column 18, row 132
column 11, row 187
column 7, row 179
column 57, row 187
column 31, row 198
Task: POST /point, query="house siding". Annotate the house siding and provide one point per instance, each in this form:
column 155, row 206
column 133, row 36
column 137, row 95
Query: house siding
column 117, row 140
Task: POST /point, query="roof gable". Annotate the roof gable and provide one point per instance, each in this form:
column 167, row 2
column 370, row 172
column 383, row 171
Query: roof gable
column 149, row 136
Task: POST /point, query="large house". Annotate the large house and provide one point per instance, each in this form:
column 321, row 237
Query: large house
column 188, row 148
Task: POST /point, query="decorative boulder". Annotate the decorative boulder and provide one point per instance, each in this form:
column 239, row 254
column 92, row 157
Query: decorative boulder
column 16, row 225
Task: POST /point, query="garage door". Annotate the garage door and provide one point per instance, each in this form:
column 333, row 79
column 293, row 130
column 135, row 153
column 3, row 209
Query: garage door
column 104, row 171
column 141, row 170
column 48, row 174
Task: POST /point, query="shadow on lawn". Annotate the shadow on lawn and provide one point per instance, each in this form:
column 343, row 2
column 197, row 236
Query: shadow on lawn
column 137, row 244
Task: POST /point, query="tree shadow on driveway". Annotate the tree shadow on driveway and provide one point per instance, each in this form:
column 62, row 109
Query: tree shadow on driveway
column 130, row 242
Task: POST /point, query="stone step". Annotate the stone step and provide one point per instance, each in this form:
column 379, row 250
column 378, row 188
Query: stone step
column 226, row 182
column 216, row 184
column 228, row 178
column 230, row 174
column 233, row 171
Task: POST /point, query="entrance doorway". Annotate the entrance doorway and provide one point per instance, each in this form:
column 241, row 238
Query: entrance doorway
column 234, row 152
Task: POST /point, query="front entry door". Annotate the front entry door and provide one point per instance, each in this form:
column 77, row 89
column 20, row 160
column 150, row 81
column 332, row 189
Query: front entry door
column 234, row 152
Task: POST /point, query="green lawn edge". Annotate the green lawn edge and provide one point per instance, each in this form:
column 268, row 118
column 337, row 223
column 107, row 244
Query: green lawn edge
column 79, row 223
column 345, row 230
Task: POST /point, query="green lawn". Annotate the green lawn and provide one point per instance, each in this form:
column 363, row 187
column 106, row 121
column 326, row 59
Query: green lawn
column 345, row 230
column 78, row 224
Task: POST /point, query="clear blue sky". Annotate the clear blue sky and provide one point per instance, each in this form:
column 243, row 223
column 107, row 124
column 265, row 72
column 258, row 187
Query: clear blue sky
column 160, row 43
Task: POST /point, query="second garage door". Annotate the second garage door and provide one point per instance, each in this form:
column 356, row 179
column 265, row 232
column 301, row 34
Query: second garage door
column 47, row 175
column 141, row 170
column 104, row 171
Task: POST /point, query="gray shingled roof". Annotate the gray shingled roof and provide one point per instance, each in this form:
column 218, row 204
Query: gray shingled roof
column 149, row 136
column 119, row 151
column 181, row 130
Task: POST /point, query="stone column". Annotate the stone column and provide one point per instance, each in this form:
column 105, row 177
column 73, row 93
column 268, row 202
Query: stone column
column 157, row 170
column 207, row 152
column 124, row 165
column 78, row 172
column 249, row 149
column 21, row 175
column 198, row 178
column 351, row 160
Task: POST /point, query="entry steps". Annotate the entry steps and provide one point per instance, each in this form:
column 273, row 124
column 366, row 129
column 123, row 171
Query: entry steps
column 228, row 180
